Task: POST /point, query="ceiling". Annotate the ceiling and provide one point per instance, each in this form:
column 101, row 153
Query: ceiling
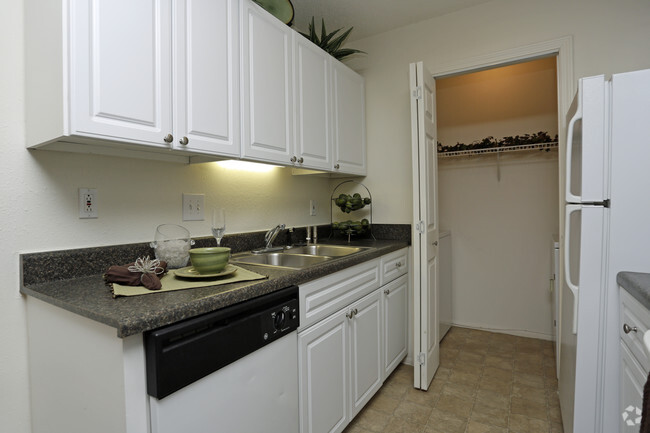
column 371, row 17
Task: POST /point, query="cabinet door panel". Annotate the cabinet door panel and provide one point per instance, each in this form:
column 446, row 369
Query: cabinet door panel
column 349, row 120
column 323, row 366
column 632, row 377
column 206, row 76
column 395, row 297
column 267, row 83
column 120, row 82
column 312, row 105
column 365, row 350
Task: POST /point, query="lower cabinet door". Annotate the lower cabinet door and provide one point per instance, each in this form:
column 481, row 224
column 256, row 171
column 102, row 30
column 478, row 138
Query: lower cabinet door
column 323, row 367
column 632, row 380
column 366, row 369
column 395, row 299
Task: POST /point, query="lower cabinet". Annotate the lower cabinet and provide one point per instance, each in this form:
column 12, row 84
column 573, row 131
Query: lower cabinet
column 344, row 358
column 340, row 365
column 395, row 323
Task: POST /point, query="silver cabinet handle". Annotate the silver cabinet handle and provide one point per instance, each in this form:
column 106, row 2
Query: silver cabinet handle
column 168, row 138
column 337, row 166
column 627, row 328
column 351, row 314
column 301, row 160
column 293, row 159
column 387, row 292
column 184, row 141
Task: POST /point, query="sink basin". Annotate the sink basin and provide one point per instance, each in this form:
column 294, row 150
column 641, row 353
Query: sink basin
column 293, row 261
column 325, row 250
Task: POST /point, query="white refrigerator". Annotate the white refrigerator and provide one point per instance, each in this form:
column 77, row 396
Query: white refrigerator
column 607, row 230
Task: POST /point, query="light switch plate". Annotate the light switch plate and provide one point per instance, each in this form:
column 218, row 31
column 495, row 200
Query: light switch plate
column 193, row 207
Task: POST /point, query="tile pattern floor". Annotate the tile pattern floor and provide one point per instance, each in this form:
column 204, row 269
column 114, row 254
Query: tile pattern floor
column 486, row 383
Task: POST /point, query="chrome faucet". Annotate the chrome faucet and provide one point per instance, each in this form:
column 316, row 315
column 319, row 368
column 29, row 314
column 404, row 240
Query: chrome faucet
column 272, row 234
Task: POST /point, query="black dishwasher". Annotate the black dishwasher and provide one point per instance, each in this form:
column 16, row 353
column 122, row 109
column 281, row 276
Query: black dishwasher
column 184, row 352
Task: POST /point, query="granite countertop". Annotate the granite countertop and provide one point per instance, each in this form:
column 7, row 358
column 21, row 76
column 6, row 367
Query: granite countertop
column 55, row 277
column 636, row 284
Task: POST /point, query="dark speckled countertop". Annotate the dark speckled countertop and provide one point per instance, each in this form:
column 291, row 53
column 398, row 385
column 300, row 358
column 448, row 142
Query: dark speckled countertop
column 636, row 284
column 73, row 280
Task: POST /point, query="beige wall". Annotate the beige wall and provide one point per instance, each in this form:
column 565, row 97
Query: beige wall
column 502, row 216
column 506, row 101
column 608, row 37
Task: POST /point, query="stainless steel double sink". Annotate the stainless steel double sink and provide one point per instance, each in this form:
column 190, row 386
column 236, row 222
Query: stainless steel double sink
column 297, row 257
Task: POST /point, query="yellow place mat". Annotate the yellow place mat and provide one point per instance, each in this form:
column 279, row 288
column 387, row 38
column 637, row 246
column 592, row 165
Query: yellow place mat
column 170, row 282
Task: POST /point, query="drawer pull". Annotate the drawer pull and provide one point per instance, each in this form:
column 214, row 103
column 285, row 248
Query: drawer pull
column 387, row 292
column 627, row 329
column 398, row 264
column 351, row 314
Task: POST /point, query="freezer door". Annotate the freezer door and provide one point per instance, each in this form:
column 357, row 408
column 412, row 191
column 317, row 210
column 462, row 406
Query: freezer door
column 587, row 150
column 583, row 327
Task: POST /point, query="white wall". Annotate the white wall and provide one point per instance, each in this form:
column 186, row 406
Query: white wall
column 39, row 208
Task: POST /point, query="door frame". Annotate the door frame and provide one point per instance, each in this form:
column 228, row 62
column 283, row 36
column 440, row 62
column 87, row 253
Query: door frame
column 562, row 49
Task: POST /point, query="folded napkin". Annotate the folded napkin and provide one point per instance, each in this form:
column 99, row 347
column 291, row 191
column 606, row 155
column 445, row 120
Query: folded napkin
column 143, row 272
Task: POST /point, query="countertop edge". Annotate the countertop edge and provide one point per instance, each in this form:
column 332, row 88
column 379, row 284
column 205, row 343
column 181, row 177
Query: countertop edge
column 636, row 284
column 176, row 311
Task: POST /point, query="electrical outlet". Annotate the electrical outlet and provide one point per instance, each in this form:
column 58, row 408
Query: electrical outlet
column 87, row 203
column 193, row 207
column 312, row 207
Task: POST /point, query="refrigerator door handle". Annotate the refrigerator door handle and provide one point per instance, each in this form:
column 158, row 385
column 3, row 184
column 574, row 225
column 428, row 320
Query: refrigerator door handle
column 567, row 268
column 570, row 197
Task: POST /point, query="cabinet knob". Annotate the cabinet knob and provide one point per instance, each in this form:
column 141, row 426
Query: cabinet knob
column 627, row 328
column 435, row 243
column 168, row 138
column 293, row 159
column 301, row 160
column 387, row 292
column 337, row 166
column 184, row 141
column 398, row 265
column 351, row 314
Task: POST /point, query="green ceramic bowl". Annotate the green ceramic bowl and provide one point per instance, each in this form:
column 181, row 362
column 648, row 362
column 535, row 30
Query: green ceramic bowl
column 209, row 260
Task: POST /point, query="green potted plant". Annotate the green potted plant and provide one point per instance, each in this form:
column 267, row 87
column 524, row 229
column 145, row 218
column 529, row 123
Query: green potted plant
column 330, row 42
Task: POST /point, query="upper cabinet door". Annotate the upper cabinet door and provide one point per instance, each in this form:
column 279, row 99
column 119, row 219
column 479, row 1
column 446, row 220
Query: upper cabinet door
column 120, row 70
column 206, row 76
column 312, row 96
column 349, row 120
column 267, row 111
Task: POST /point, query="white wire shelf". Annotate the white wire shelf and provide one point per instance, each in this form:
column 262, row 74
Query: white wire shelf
column 497, row 150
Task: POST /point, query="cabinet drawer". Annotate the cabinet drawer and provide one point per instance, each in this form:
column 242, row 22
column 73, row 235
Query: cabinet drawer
column 394, row 265
column 325, row 296
column 636, row 316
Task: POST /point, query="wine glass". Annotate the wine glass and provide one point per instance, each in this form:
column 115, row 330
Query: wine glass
column 218, row 224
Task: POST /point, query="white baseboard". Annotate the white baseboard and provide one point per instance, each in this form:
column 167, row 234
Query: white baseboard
column 516, row 332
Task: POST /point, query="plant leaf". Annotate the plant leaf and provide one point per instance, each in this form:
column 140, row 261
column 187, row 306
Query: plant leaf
column 323, row 32
column 325, row 42
column 344, row 52
column 336, row 43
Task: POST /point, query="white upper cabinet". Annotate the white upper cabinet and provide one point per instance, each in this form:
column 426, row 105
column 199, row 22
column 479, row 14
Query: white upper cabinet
column 312, row 103
column 349, row 120
column 206, row 76
column 120, row 70
column 267, row 86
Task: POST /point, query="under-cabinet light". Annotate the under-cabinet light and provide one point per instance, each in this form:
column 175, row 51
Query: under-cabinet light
column 232, row 164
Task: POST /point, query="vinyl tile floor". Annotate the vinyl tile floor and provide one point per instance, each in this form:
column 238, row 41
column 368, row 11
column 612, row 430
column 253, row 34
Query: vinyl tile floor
column 486, row 383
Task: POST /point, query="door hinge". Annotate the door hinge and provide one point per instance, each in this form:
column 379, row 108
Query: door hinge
column 420, row 227
column 417, row 92
column 422, row 358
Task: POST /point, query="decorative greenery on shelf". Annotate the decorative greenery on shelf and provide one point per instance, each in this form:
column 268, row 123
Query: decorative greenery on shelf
column 329, row 41
column 491, row 142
